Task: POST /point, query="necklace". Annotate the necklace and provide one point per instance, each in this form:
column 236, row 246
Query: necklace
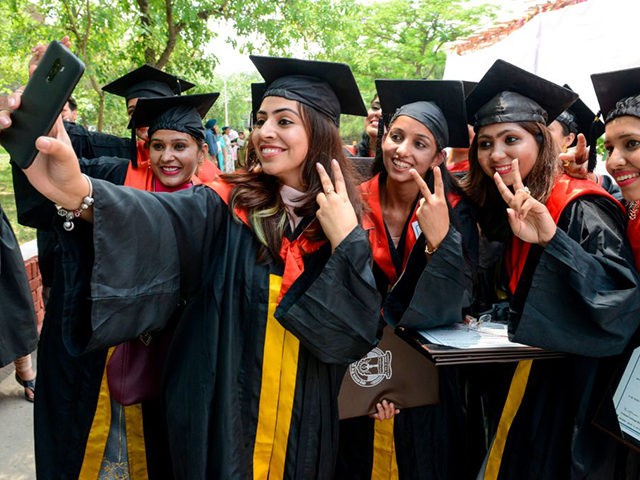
column 633, row 209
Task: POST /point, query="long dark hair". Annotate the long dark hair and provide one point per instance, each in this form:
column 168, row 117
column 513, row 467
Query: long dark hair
column 481, row 188
column 259, row 193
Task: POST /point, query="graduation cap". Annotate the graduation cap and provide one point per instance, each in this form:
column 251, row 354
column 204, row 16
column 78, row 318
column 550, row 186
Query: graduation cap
column 618, row 93
column 147, row 81
column 182, row 114
column 580, row 119
column 327, row 87
column 507, row 93
column 437, row 104
column 468, row 87
column 257, row 94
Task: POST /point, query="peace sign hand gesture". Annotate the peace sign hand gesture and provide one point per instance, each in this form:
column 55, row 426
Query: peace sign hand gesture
column 336, row 214
column 433, row 211
column 529, row 219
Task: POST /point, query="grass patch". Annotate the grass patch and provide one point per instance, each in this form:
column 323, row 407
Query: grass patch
column 8, row 203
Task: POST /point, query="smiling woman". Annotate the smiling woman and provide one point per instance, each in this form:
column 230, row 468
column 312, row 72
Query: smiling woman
column 556, row 234
column 271, row 288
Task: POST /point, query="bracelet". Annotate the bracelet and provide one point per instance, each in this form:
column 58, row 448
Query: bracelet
column 69, row 216
column 429, row 251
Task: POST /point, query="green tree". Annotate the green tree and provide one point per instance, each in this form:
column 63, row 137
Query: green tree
column 400, row 39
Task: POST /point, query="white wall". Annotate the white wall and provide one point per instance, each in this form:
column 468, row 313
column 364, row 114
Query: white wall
column 564, row 46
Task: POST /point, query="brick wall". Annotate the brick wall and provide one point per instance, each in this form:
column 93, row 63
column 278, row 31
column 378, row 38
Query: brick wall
column 35, row 284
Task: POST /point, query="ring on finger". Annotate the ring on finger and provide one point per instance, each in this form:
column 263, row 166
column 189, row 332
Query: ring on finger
column 526, row 190
column 329, row 190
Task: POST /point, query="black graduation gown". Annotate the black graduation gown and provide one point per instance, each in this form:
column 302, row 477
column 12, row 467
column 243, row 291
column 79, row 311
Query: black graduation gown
column 68, row 385
column 88, row 144
column 18, row 335
column 578, row 295
column 236, row 377
column 429, row 440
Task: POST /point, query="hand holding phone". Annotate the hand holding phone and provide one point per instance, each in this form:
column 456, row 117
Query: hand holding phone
column 47, row 91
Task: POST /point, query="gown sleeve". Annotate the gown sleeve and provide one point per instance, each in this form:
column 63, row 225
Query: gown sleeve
column 583, row 297
column 337, row 315
column 18, row 336
column 431, row 293
column 148, row 253
column 34, row 210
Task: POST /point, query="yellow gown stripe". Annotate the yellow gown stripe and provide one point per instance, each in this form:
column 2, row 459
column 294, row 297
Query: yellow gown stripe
column 99, row 432
column 514, row 400
column 385, row 466
column 277, row 391
column 137, row 454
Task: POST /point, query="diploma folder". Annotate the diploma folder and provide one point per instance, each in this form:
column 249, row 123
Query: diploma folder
column 461, row 344
column 394, row 371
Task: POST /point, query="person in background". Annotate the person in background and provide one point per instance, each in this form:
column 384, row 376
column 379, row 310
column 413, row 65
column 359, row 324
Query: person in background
column 70, row 111
column 367, row 145
column 68, row 385
column 228, row 150
column 211, row 139
column 242, row 149
column 458, row 158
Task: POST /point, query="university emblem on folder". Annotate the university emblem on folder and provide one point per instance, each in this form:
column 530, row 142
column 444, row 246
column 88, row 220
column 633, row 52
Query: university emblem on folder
column 372, row 369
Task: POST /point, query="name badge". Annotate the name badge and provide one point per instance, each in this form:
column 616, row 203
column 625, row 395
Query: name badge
column 416, row 228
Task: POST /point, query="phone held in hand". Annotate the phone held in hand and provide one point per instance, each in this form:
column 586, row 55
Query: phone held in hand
column 42, row 101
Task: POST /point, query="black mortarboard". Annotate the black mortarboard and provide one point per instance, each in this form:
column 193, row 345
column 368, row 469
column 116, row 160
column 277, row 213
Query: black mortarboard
column 327, row 87
column 182, row 114
column 507, row 93
column 257, row 93
column 580, row 119
column 147, row 81
column 437, row 104
column 468, row 87
column 618, row 93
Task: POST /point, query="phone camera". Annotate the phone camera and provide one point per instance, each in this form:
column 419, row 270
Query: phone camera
column 56, row 68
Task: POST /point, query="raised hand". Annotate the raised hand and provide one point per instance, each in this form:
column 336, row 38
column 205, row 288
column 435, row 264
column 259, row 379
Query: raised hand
column 529, row 219
column 574, row 160
column 336, row 214
column 433, row 211
column 38, row 51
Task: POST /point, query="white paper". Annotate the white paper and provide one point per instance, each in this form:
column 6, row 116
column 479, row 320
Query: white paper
column 485, row 335
column 627, row 397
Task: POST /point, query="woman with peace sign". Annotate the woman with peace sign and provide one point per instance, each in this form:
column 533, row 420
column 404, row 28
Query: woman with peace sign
column 269, row 267
column 554, row 248
column 419, row 268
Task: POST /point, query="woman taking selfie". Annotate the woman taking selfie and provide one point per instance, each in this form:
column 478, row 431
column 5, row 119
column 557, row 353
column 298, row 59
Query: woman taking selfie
column 266, row 330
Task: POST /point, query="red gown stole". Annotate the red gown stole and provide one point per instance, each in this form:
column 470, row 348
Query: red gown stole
column 292, row 252
column 564, row 192
column 373, row 223
column 633, row 232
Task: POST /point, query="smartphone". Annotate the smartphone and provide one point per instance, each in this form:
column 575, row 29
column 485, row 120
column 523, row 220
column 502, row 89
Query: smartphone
column 42, row 101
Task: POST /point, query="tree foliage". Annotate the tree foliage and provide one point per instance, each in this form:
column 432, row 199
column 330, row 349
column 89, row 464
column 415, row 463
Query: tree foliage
column 389, row 38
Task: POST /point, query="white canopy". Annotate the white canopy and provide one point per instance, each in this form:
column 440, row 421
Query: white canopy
column 564, row 46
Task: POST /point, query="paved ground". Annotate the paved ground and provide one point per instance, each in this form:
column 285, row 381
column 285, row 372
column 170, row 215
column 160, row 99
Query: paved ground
column 16, row 430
